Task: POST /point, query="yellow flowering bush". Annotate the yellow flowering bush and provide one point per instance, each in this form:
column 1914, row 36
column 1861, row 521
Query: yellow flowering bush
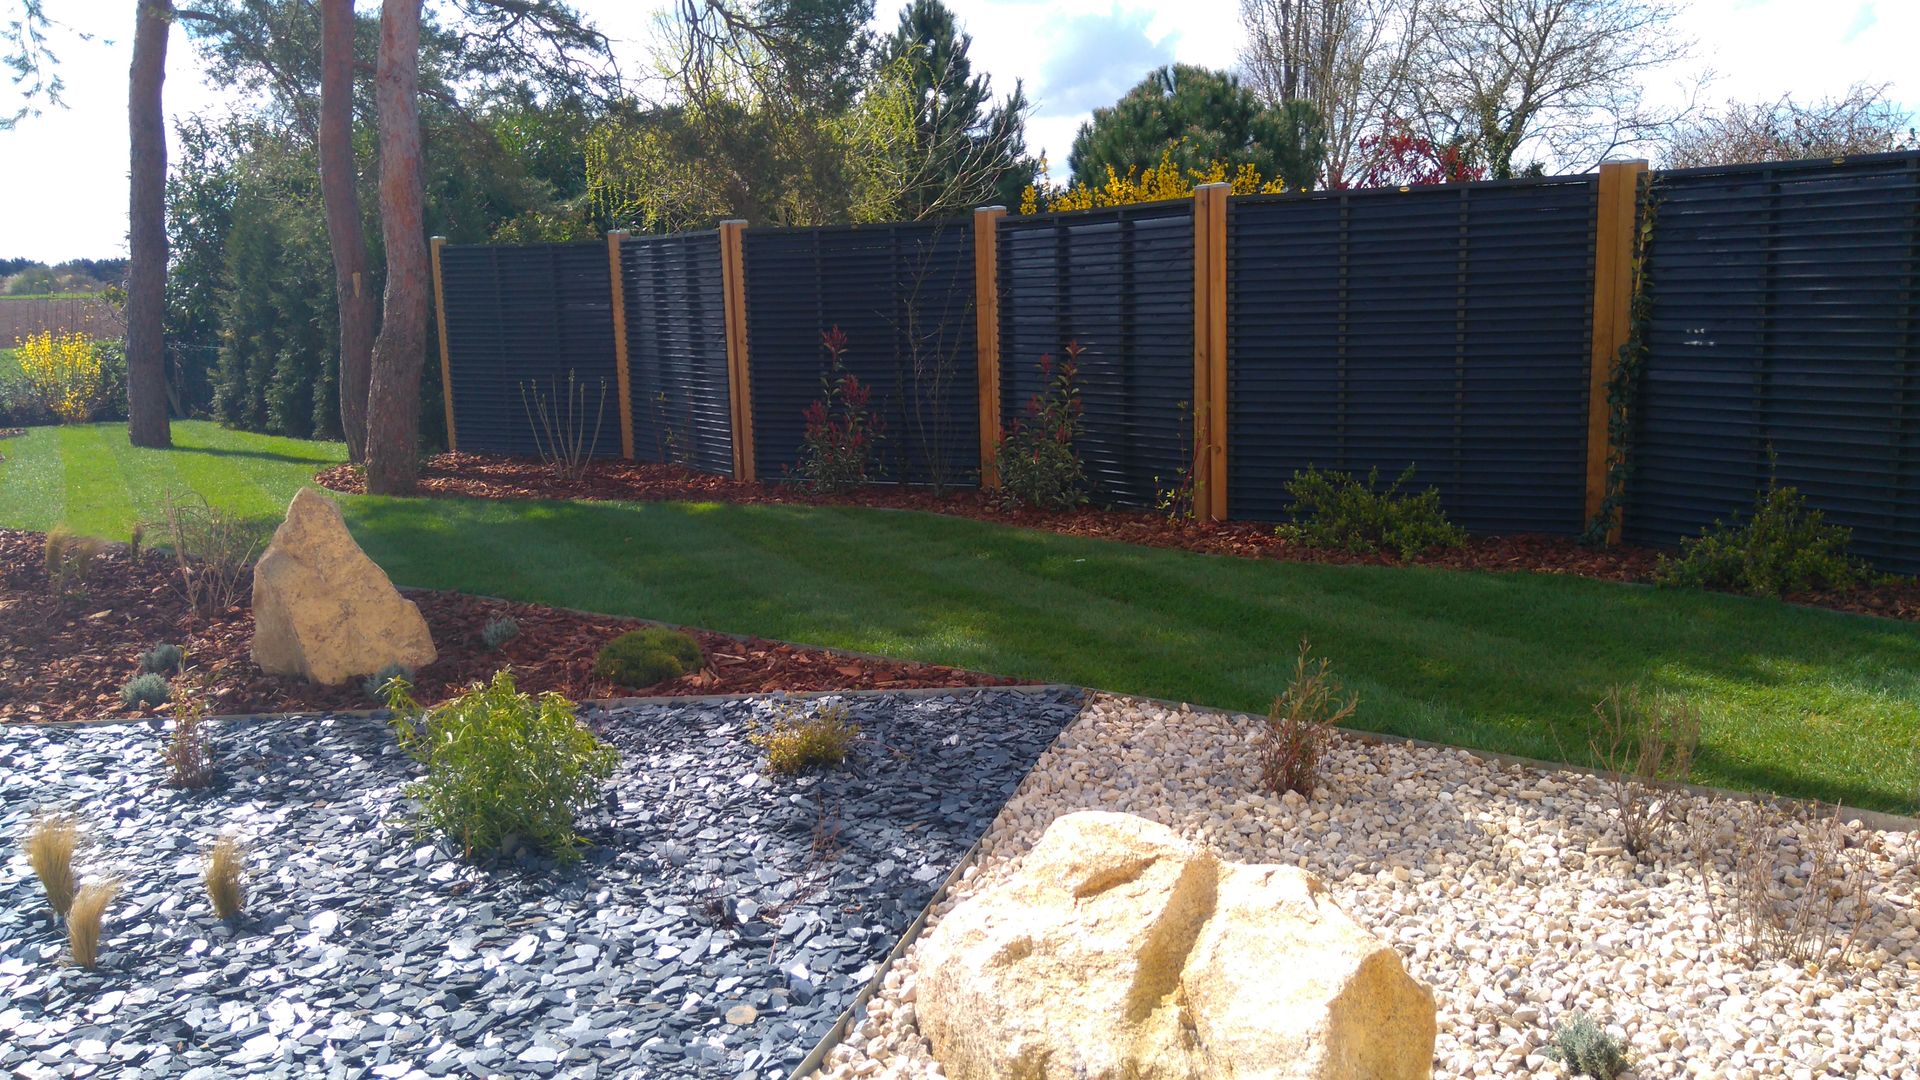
column 1155, row 183
column 63, row 372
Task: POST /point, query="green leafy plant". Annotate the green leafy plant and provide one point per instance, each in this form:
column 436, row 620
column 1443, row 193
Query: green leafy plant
column 647, row 656
column 1301, row 725
column 163, row 659
column 1782, row 546
column 189, row 751
column 145, row 691
column 499, row 631
column 375, row 686
column 1336, row 510
column 1586, row 1048
column 502, row 765
column 799, row 740
column 842, row 434
column 1038, row 460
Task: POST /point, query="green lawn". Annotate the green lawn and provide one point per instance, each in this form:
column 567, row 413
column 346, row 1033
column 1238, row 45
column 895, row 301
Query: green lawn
column 1798, row 701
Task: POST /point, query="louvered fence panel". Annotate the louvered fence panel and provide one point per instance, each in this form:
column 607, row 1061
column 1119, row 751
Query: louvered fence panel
column 677, row 350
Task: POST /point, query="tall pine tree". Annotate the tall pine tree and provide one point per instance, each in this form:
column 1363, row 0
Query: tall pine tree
column 1198, row 116
column 975, row 151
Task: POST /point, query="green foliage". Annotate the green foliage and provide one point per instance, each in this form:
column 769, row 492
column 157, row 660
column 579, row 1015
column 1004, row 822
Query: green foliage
column 22, row 404
column 1199, row 116
column 1336, row 510
column 1587, row 1049
column 163, row 659
column 145, row 692
column 1038, row 462
column 647, row 656
column 499, row 631
column 1781, row 547
column 800, row 741
column 502, row 765
column 1301, row 724
column 380, row 684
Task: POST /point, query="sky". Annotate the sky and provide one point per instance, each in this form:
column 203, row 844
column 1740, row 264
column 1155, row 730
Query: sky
column 63, row 174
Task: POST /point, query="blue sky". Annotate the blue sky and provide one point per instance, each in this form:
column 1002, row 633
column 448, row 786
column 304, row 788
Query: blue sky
column 63, row 174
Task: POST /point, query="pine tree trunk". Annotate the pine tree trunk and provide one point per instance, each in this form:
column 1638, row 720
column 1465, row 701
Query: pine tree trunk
column 340, row 193
column 147, row 228
column 393, row 404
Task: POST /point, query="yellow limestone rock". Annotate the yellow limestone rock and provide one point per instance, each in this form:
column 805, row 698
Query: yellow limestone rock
column 322, row 609
column 1119, row 951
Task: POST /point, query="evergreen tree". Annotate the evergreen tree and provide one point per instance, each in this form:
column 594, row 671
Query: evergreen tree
column 1198, row 116
column 976, row 153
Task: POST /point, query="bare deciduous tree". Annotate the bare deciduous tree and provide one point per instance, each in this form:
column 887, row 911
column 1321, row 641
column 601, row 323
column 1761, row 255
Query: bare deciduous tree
column 147, row 227
column 1354, row 60
column 1563, row 79
column 1864, row 120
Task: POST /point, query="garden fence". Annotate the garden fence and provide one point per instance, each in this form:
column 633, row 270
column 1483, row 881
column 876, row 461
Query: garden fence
column 1499, row 337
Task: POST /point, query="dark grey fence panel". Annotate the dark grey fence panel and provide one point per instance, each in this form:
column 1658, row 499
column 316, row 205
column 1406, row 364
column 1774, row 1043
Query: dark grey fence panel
column 904, row 296
column 1446, row 327
column 1119, row 282
column 1785, row 301
column 526, row 317
column 677, row 350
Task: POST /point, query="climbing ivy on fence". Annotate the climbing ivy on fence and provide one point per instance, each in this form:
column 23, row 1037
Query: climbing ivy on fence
column 1623, row 383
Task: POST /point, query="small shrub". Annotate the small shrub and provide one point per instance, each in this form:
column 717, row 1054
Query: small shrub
column 213, row 551
column 559, row 421
column 376, row 686
column 70, row 558
column 189, row 751
column 63, row 372
column 145, row 692
column 1301, row 725
column 1782, row 546
column 499, row 631
column 162, row 659
column 136, row 541
column 1336, row 510
column 798, row 741
column 1796, row 889
column 641, row 658
column 502, row 765
column 83, row 922
column 1642, row 742
column 842, row 434
column 1039, row 460
column 1587, row 1048
column 51, row 841
column 226, row 891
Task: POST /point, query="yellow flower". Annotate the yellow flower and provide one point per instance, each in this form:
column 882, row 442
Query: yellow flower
column 64, row 372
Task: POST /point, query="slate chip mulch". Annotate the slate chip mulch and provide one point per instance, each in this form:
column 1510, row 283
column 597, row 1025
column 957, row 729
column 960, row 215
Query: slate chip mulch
column 485, row 476
column 65, row 658
column 719, row 923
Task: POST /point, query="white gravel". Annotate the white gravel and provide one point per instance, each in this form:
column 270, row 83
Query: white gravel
column 1504, row 887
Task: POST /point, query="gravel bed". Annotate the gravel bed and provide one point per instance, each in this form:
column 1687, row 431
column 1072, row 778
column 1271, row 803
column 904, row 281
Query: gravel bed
column 1504, row 887
column 719, row 925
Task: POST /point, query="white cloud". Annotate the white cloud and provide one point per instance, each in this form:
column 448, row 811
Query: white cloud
column 63, row 175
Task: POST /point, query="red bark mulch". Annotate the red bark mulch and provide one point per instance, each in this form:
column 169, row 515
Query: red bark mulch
column 65, row 658
column 484, row 476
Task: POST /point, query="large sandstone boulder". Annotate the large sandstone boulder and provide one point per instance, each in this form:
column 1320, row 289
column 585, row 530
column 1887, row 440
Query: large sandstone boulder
column 1118, row 951
column 322, row 609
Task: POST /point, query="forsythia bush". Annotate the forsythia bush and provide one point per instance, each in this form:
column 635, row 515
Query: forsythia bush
column 1153, row 184
column 64, row 373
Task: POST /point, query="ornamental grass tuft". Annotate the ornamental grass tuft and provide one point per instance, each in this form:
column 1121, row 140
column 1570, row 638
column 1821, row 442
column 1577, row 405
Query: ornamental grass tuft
column 51, row 842
column 226, row 891
column 502, row 766
column 83, row 921
column 800, row 741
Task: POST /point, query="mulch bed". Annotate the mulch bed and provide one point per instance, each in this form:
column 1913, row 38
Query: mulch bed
column 484, row 476
column 65, row 658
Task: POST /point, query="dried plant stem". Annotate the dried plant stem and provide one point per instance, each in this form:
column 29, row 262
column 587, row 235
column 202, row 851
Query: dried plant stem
column 1643, row 742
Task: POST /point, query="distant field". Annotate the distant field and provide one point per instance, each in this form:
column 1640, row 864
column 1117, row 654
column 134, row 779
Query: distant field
column 21, row 316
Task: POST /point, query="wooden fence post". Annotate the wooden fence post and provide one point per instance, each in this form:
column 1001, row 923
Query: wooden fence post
column 622, row 378
column 1612, row 315
column 440, row 316
column 733, row 280
column 1210, row 352
column 986, row 336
